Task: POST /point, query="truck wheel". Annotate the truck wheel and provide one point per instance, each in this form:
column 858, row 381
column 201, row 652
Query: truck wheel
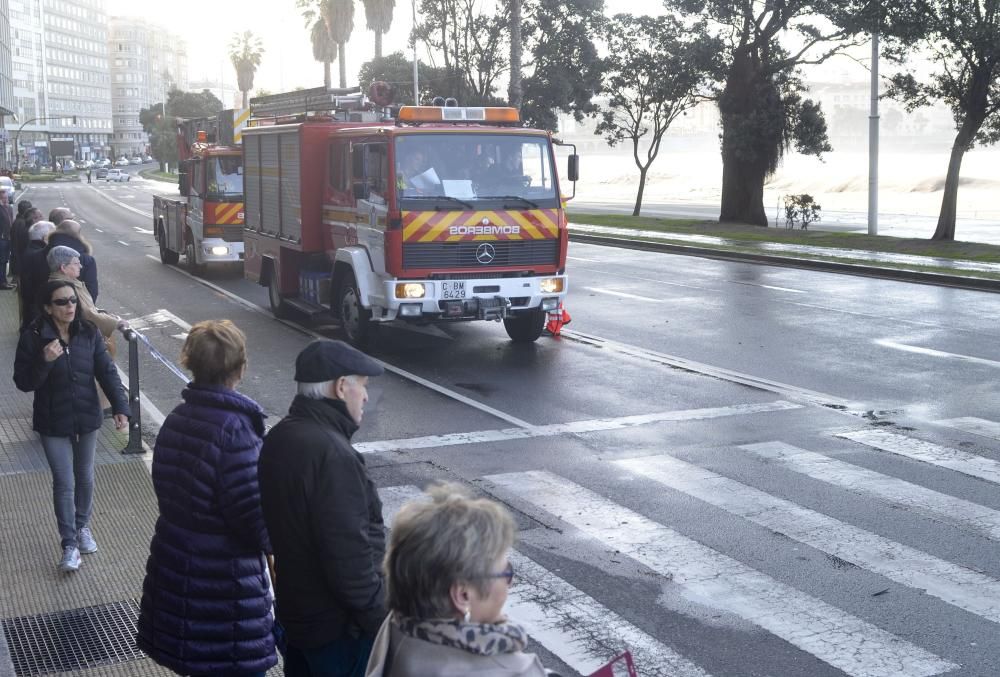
column 192, row 262
column 525, row 327
column 354, row 317
column 167, row 256
column 279, row 308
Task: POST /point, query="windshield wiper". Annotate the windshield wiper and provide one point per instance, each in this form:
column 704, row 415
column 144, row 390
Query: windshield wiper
column 530, row 203
column 465, row 204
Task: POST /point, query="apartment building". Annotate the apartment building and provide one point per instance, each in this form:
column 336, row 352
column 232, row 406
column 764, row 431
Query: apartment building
column 6, row 85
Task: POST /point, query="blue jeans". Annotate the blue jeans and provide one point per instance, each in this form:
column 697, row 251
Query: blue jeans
column 344, row 657
column 72, row 462
column 4, row 258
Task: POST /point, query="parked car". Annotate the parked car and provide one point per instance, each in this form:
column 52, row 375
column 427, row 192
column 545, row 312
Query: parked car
column 148, row 158
column 102, row 172
column 136, row 160
column 122, row 162
column 104, row 162
column 7, row 186
column 117, row 175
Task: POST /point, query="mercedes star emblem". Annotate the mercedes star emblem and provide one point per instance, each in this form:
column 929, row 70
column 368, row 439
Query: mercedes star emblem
column 485, row 253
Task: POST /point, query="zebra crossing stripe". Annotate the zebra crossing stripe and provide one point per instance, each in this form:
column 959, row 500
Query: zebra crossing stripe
column 976, row 426
column 959, row 586
column 574, row 427
column 940, row 507
column 712, row 579
column 928, row 452
column 583, row 633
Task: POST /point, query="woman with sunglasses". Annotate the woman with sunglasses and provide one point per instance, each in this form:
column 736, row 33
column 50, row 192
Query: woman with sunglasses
column 447, row 576
column 58, row 358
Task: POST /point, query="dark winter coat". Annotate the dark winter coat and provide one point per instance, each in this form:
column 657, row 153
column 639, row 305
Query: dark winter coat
column 325, row 520
column 6, row 221
column 88, row 266
column 31, row 281
column 205, row 605
column 66, row 401
column 18, row 241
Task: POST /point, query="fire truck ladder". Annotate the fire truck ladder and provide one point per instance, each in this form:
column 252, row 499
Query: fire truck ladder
column 303, row 102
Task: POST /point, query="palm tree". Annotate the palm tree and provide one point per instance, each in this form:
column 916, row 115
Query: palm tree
column 379, row 16
column 339, row 17
column 245, row 50
column 324, row 49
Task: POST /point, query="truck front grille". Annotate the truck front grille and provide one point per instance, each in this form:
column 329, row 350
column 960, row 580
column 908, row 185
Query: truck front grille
column 464, row 254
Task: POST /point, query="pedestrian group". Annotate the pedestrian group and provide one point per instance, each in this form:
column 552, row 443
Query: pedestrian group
column 265, row 544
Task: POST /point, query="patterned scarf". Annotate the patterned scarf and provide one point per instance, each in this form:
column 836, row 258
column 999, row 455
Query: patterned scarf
column 483, row 639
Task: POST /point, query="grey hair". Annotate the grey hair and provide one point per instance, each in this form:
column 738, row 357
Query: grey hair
column 60, row 256
column 321, row 389
column 40, row 230
column 451, row 538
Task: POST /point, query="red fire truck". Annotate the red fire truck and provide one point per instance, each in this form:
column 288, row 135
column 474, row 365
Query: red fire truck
column 206, row 225
column 430, row 214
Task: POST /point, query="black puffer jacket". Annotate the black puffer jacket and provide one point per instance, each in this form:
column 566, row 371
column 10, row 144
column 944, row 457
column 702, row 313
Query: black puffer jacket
column 324, row 517
column 66, row 401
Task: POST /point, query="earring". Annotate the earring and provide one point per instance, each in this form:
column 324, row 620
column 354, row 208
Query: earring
column 467, row 616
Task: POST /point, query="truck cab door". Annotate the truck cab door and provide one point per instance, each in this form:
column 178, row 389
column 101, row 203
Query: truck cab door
column 370, row 183
column 196, row 200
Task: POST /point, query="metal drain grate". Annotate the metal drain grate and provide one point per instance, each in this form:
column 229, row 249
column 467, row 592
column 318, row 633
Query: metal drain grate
column 73, row 640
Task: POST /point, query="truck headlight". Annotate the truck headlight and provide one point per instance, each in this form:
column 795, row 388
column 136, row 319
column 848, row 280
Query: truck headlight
column 220, row 251
column 410, row 290
column 551, row 285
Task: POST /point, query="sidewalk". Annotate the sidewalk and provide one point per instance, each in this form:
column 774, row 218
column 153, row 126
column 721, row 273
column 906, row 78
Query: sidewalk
column 82, row 623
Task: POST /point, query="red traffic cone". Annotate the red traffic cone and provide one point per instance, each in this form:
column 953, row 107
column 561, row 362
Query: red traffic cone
column 558, row 318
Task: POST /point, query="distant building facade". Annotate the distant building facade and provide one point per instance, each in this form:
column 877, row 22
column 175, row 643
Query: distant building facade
column 61, row 82
column 146, row 63
column 6, row 86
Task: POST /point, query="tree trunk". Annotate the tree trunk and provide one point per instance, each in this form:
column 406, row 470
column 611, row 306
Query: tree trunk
column 326, row 74
column 342, row 59
column 246, row 98
column 515, row 93
column 378, row 45
column 949, row 203
column 642, row 187
column 747, row 149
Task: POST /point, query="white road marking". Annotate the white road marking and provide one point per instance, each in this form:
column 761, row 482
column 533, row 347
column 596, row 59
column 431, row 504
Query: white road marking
column 144, row 231
column 124, row 244
column 959, row 586
column 783, row 389
column 928, row 452
column 767, row 286
column 940, row 507
column 714, row 580
column 130, row 208
column 583, row 633
column 622, row 294
column 161, row 316
column 881, row 318
column 572, row 428
column 888, row 343
column 580, row 258
column 98, row 230
column 976, row 426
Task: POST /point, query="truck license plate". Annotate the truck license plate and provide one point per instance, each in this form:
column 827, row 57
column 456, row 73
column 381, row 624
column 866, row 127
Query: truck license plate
column 453, row 290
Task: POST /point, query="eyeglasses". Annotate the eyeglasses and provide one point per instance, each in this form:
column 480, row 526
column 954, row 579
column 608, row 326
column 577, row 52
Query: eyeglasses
column 507, row 573
column 66, row 301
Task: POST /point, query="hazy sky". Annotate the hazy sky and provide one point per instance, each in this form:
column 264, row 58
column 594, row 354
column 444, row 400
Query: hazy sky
column 287, row 63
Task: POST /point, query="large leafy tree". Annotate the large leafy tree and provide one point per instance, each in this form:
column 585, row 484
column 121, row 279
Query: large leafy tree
column 564, row 70
column 162, row 129
column 245, row 51
column 378, row 16
column 962, row 40
column 762, row 104
column 656, row 70
column 397, row 70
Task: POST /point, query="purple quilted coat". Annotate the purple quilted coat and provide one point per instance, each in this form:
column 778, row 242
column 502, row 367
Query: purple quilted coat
column 205, row 602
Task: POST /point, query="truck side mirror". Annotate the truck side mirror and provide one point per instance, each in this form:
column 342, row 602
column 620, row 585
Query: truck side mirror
column 182, row 180
column 573, row 168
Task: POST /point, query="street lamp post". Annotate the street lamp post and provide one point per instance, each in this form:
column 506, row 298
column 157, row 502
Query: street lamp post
column 17, row 135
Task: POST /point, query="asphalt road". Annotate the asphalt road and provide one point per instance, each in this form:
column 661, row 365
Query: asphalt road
column 731, row 469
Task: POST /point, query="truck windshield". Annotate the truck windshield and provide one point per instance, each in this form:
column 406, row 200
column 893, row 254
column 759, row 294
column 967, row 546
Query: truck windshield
column 224, row 176
column 485, row 171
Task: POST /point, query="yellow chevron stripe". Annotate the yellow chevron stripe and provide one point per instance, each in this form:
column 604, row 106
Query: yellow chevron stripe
column 240, row 116
column 229, row 213
column 527, row 226
column 440, row 227
column 547, row 223
column 416, row 224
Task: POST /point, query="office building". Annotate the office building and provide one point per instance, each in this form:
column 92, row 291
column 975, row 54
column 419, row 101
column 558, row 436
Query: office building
column 6, row 86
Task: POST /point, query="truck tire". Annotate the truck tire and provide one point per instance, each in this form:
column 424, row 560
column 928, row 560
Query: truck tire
column 167, row 257
column 189, row 258
column 525, row 327
column 355, row 318
column 279, row 308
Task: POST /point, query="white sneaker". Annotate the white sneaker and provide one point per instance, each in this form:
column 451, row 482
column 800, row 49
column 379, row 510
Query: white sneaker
column 86, row 541
column 70, row 560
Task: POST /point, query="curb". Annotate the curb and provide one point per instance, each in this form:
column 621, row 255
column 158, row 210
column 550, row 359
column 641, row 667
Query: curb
column 919, row 277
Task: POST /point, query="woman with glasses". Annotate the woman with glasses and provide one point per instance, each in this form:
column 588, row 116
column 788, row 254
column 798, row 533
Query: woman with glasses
column 58, row 358
column 447, row 576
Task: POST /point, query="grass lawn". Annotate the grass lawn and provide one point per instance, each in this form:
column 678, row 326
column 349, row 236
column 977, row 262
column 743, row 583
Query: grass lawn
column 970, row 251
column 157, row 175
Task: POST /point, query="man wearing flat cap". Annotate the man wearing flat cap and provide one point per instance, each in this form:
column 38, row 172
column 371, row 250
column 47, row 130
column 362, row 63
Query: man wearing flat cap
column 324, row 517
